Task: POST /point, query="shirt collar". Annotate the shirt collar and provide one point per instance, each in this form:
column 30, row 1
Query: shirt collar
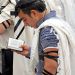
column 49, row 15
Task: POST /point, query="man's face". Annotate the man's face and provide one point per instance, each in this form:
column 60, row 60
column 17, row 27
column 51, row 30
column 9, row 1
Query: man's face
column 28, row 20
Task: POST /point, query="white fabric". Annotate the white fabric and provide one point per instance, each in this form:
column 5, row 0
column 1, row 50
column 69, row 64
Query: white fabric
column 26, row 34
column 5, row 13
column 5, row 36
column 69, row 11
column 10, row 7
column 66, row 46
column 64, row 9
column 21, row 64
column 3, row 2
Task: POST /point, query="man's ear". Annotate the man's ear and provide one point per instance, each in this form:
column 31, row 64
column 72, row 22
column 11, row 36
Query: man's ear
column 34, row 14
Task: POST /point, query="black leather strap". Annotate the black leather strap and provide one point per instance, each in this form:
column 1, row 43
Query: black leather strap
column 45, row 72
column 8, row 22
column 52, row 57
column 45, row 54
column 20, row 33
column 4, row 25
column 17, row 24
column 50, row 52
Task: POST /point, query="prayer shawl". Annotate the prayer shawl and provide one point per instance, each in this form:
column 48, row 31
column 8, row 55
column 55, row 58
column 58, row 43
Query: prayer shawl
column 66, row 47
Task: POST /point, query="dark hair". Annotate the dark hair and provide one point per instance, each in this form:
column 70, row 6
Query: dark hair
column 27, row 5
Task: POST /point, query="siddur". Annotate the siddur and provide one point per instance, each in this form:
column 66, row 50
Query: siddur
column 15, row 44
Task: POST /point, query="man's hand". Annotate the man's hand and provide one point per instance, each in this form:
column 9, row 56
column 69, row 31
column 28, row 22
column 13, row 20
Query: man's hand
column 25, row 49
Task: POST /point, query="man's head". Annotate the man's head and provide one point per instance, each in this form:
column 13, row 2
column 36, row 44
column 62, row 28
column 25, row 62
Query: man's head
column 31, row 11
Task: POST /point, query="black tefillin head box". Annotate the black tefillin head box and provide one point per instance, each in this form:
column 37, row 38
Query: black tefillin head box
column 13, row 13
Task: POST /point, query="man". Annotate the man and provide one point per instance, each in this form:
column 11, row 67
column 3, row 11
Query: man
column 49, row 39
column 55, row 38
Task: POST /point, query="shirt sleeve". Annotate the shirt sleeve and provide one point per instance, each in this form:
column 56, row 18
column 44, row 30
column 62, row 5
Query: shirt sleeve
column 48, row 37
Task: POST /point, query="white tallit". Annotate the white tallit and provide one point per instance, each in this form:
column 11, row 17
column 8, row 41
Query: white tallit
column 66, row 46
